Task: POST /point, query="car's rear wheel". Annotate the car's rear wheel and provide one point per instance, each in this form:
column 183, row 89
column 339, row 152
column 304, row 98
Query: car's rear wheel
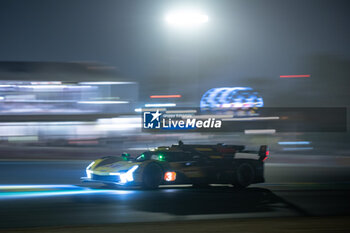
column 244, row 175
column 152, row 176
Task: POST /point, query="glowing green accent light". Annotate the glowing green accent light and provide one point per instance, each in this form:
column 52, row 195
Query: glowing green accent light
column 125, row 156
column 161, row 158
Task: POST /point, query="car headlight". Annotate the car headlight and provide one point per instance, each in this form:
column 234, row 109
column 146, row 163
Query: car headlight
column 90, row 165
column 88, row 171
column 89, row 174
column 126, row 176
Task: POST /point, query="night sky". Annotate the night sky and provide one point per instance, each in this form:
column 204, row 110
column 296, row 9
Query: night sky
column 245, row 42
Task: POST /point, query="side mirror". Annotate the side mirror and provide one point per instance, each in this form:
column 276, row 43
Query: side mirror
column 125, row 156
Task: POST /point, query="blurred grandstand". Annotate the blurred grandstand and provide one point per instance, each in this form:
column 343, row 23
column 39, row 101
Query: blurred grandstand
column 53, row 88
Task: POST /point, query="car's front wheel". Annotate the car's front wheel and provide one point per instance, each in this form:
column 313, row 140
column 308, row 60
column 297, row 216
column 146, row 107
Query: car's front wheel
column 152, row 176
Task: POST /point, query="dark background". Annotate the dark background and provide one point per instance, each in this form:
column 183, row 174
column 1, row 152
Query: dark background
column 244, row 43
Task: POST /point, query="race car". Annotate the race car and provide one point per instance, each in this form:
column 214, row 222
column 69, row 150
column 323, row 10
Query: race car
column 199, row 165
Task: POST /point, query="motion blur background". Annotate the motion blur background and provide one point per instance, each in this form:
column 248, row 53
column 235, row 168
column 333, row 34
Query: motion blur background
column 75, row 76
column 78, row 73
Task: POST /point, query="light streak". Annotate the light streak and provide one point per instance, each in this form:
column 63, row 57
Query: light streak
column 259, row 131
column 28, row 191
column 296, row 76
column 103, row 102
column 295, row 143
column 160, row 105
column 164, row 96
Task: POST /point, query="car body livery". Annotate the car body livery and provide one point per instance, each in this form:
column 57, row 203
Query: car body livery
column 199, row 165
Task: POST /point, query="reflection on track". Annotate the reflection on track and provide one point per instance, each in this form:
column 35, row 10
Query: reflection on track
column 172, row 200
column 47, row 196
column 26, row 191
column 48, row 205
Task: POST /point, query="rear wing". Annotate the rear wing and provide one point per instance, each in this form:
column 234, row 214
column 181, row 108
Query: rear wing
column 260, row 155
column 237, row 150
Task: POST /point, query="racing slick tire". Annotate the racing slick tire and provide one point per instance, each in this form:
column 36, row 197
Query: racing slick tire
column 152, row 176
column 244, row 176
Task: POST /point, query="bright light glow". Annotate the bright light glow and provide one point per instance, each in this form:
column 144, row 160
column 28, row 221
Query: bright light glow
column 119, row 120
column 298, row 148
column 296, row 76
column 30, row 186
column 27, row 191
column 103, row 102
column 46, row 83
column 52, row 86
column 231, row 97
column 88, row 171
column 105, row 83
column 2, row 85
column 160, row 105
column 42, row 123
column 148, row 109
column 186, row 18
column 45, row 194
column 252, row 118
column 90, row 165
column 12, row 100
column 259, row 131
column 170, row 176
column 222, row 116
column 89, row 174
column 127, row 123
column 139, row 148
column 161, row 158
column 164, row 96
column 127, row 176
column 181, row 111
column 295, row 143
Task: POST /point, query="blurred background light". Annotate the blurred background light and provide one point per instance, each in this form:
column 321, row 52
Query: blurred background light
column 186, row 18
column 161, row 105
column 103, row 102
column 164, row 96
column 231, row 97
column 296, row 76
column 294, row 143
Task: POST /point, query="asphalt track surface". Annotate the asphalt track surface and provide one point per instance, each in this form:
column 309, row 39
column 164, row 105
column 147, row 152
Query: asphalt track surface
column 49, row 193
